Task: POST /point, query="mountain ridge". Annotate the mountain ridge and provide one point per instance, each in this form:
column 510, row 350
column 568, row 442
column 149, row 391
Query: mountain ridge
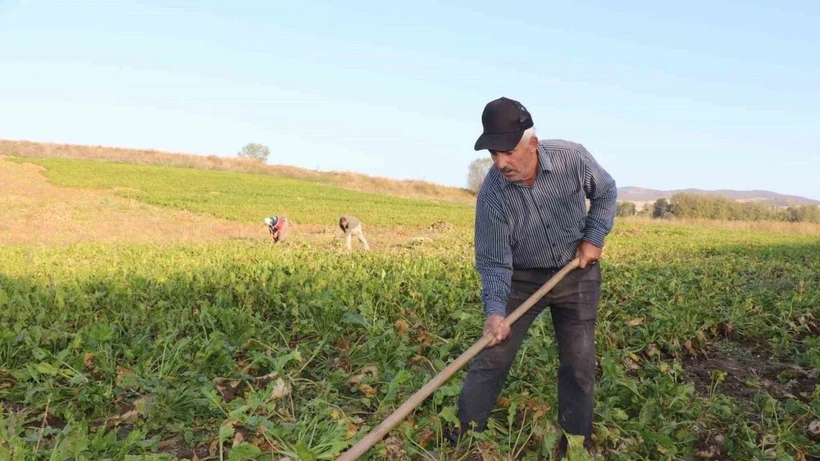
column 642, row 194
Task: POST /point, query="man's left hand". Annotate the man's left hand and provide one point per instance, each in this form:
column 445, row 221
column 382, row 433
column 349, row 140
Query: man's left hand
column 587, row 253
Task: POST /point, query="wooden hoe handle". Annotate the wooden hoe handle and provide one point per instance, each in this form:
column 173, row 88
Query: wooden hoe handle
column 400, row 413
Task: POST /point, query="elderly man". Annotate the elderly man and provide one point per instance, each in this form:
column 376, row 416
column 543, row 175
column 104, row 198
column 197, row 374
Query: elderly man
column 531, row 220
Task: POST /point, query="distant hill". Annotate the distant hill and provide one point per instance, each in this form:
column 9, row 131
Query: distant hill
column 642, row 195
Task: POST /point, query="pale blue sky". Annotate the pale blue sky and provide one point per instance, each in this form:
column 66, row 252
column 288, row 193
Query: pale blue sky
column 708, row 94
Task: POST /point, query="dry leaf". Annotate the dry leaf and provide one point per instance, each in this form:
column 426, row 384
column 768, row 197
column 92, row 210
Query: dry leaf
column 652, row 350
column 424, row 338
column 128, row 417
column 709, row 452
column 395, row 448
column 426, row 436
column 367, row 390
column 372, row 370
column 240, row 435
column 357, row 379
column 122, row 372
column 280, row 389
column 88, row 360
column 402, row 327
column 168, row 444
column 228, row 388
column 136, row 409
column 261, row 381
column 634, row 322
column 688, row 346
column 630, row 365
column 813, row 430
column 487, row 451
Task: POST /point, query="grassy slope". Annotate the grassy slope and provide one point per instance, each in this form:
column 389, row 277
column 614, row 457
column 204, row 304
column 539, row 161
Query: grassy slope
column 347, row 180
column 249, row 197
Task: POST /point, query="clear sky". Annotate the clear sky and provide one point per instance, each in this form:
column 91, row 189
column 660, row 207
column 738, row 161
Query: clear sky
column 708, row 94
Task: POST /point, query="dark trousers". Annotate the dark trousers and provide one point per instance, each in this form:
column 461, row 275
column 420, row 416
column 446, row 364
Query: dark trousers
column 573, row 304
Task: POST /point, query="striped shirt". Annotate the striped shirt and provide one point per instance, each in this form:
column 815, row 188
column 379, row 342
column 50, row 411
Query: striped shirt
column 540, row 226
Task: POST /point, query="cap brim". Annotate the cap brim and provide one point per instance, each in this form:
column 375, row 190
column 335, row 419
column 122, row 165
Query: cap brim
column 503, row 142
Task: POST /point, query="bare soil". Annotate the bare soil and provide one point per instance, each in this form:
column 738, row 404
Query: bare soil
column 751, row 368
column 35, row 212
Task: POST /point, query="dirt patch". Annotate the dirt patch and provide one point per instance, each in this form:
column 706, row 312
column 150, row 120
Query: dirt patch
column 743, row 370
column 712, row 447
column 35, row 212
column 441, row 226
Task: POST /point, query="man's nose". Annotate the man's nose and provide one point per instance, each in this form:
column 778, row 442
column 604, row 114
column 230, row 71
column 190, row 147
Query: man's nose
column 500, row 162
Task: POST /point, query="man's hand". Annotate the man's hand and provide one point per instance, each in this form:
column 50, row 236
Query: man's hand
column 587, row 253
column 495, row 324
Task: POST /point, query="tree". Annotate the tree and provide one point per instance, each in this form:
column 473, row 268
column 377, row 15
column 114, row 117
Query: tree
column 661, row 209
column 254, row 151
column 625, row 209
column 476, row 172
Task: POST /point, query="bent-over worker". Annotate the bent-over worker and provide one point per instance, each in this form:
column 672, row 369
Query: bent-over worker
column 278, row 227
column 352, row 226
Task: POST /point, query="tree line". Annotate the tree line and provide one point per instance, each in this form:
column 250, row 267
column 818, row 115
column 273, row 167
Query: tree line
column 685, row 205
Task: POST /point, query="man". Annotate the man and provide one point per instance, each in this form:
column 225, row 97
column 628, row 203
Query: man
column 531, row 220
column 278, row 227
column 351, row 226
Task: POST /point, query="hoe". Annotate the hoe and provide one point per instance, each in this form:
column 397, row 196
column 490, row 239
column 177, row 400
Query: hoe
column 400, row 413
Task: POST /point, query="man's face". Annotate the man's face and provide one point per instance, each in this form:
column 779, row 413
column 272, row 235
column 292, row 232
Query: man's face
column 518, row 164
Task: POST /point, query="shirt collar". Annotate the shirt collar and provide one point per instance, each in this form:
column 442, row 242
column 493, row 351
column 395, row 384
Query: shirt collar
column 543, row 162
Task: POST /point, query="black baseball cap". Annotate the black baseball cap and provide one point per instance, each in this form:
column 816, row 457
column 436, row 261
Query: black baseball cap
column 505, row 121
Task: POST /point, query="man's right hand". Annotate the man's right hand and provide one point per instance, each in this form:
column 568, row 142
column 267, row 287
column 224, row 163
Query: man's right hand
column 495, row 324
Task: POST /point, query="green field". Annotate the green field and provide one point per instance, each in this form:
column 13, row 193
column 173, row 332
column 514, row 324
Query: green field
column 248, row 197
column 708, row 339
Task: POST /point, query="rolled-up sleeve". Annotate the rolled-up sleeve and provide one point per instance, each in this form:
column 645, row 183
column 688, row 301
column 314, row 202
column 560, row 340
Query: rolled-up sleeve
column 602, row 193
column 493, row 254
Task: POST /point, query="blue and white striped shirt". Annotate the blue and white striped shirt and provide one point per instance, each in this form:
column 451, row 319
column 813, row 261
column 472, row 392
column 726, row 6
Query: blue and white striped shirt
column 540, row 226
